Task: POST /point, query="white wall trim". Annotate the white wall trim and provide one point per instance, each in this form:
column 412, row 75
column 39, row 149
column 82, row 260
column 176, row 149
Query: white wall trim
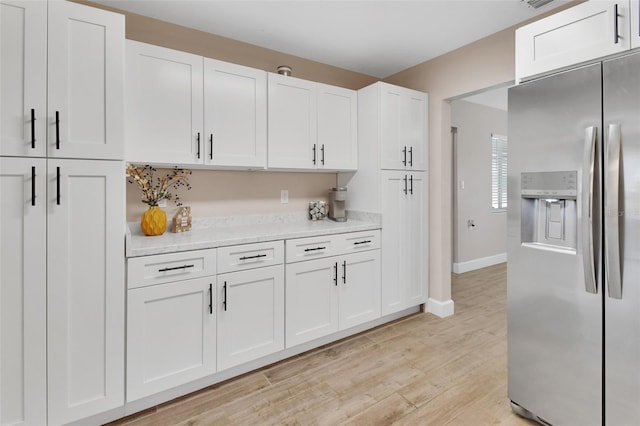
column 439, row 308
column 483, row 262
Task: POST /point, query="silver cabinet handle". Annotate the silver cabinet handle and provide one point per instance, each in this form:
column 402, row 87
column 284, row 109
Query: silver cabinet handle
column 588, row 181
column 612, row 213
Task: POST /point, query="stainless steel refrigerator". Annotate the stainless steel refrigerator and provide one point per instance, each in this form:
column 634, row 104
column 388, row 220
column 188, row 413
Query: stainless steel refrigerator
column 574, row 245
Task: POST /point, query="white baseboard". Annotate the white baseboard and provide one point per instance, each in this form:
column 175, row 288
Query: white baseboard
column 439, row 308
column 472, row 265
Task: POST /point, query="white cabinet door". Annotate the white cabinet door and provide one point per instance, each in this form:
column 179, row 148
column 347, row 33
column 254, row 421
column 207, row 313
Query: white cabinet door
column 584, row 32
column 416, row 237
column 337, row 128
column 23, row 290
column 359, row 284
column 85, row 288
column 414, row 129
column 292, row 123
column 85, row 82
column 311, row 300
column 404, row 240
column 235, row 115
column 171, row 335
column 403, row 128
column 635, row 23
column 23, row 78
column 250, row 315
column 394, row 272
column 163, row 104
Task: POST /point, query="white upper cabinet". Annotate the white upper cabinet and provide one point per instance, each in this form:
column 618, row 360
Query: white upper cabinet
column 337, row 128
column 235, row 115
column 292, row 123
column 311, row 125
column 590, row 30
column 23, row 78
column 403, row 128
column 183, row 109
column 163, row 105
column 635, row 23
column 86, row 78
column 62, row 90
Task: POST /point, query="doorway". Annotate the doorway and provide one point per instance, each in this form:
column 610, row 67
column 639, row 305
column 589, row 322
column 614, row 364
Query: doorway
column 478, row 223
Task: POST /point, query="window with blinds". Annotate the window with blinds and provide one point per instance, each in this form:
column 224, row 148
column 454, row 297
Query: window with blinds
column 498, row 173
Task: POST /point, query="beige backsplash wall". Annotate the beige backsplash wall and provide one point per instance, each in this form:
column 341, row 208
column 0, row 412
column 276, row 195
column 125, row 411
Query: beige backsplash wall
column 230, row 193
column 223, row 193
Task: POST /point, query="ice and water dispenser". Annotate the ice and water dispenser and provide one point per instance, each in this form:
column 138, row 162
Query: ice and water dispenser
column 549, row 213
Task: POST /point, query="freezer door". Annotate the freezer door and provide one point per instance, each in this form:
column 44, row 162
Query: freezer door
column 554, row 314
column 621, row 100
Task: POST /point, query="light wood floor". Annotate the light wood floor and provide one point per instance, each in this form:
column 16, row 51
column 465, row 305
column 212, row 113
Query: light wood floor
column 422, row 370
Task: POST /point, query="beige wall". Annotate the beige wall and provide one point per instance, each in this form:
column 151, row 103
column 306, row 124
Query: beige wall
column 229, row 193
column 225, row 193
column 475, row 124
column 485, row 63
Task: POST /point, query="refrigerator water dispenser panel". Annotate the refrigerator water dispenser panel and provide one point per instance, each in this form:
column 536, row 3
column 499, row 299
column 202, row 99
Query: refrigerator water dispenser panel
column 549, row 214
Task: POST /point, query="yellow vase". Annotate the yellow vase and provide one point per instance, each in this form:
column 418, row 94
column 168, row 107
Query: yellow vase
column 154, row 221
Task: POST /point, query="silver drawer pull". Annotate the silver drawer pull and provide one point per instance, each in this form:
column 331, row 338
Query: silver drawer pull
column 315, row 248
column 175, row 268
column 253, row 257
column 362, row 242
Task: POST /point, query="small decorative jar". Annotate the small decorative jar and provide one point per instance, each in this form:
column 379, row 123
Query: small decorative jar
column 318, row 210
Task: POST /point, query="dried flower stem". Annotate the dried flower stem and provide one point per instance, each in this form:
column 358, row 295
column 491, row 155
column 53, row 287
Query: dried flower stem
column 154, row 190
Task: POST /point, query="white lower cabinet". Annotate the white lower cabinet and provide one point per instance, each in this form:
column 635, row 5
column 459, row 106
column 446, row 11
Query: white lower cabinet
column 62, row 289
column 312, row 300
column 333, row 293
column 188, row 322
column 250, row 314
column 360, row 290
column 171, row 336
column 23, row 292
column 405, row 251
column 85, row 288
column 171, row 320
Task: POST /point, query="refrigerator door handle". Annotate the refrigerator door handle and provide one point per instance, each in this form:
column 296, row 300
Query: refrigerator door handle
column 588, row 182
column 612, row 212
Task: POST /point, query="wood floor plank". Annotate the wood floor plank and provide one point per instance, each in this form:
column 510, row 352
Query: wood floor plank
column 420, row 370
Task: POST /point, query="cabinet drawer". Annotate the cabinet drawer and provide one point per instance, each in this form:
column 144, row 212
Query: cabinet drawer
column 300, row 249
column 359, row 241
column 149, row 270
column 249, row 256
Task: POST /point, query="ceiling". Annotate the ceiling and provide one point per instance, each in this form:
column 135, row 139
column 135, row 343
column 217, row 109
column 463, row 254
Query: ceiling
column 494, row 98
column 377, row 38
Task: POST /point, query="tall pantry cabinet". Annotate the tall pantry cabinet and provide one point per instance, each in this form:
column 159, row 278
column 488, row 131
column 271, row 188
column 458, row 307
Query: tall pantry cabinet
column 392, row 180
column 62, row 212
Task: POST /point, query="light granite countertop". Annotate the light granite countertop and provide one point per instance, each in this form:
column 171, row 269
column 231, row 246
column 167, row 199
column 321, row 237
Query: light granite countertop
column 227, row 231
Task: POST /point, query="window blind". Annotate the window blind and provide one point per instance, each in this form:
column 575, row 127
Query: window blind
column 498, row 172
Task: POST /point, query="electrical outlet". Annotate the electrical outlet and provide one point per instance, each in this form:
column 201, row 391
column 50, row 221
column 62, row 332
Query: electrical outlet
column 471, row 224
column 284, row 196
column 461, row 184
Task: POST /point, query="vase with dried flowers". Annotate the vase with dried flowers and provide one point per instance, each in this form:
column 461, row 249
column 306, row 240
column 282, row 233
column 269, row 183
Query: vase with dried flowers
column 154, row 189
